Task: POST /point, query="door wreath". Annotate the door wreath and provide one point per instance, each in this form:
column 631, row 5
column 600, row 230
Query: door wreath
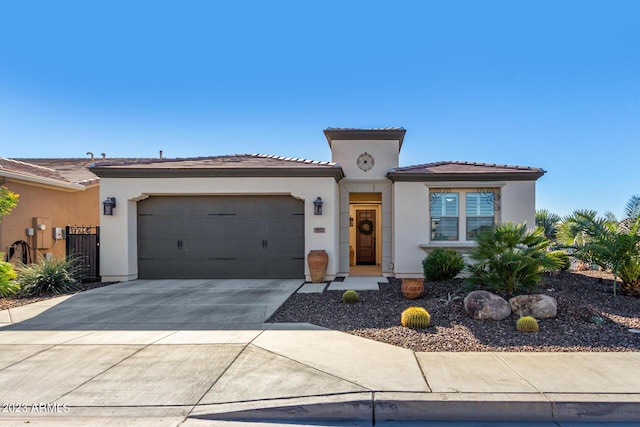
column 365, row 227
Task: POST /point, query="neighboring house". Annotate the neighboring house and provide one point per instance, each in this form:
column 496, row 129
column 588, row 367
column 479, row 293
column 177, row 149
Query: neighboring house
column 252, row 216
column 53, row 193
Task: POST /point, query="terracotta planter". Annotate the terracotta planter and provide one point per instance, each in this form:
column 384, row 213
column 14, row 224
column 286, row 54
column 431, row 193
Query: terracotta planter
column 412, row 288
column 317, row 260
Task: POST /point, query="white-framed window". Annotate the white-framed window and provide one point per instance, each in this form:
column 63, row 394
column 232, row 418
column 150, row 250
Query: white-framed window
column 458, row 216
column 444, row 216
column 480, row 212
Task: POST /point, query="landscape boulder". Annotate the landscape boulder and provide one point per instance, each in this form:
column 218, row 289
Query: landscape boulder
column 537, row 305
column 484, row 305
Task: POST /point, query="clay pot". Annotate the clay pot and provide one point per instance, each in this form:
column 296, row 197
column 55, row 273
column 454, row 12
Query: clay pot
column 317, row 260
column 412, row 288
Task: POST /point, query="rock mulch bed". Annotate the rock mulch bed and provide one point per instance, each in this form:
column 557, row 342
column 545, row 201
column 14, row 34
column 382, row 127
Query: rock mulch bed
column 6, row 303
column 589, row 318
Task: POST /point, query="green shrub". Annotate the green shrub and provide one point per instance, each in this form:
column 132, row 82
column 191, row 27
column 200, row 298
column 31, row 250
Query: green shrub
column 564, row 257
column 415, row 318
column 55, row 277
column 509, row 258
column 8, row 287
column 442, row 264
column 350, row 297
column 527, row 324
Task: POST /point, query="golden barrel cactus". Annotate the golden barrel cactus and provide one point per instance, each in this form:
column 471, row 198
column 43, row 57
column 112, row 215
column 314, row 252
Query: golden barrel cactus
column 415, row 318
column 527, row 324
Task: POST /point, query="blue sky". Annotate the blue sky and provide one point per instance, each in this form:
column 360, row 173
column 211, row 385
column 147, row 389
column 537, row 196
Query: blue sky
column 551, row 84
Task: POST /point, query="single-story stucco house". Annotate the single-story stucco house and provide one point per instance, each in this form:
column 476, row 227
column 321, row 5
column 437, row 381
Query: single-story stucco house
column 253, row 216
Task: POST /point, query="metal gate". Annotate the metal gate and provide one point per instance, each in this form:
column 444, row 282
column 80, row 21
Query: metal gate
column 83, row 244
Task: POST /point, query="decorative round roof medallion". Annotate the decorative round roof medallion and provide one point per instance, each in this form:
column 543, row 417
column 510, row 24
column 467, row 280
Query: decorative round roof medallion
column 365, row 161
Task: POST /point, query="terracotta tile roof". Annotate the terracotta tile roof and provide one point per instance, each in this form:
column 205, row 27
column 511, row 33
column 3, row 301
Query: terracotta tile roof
column 30, row 169
column 216, row 162
column 64, row 170
column 471, row 171
column 238, row 165
column 67, row 169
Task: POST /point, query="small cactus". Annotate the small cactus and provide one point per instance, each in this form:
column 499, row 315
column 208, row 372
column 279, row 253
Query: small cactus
column 415, row 318
column 527, row 324
column 350, row 297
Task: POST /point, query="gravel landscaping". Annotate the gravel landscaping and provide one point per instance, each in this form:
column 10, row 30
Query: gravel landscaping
column 6, row 303
column 589, row 317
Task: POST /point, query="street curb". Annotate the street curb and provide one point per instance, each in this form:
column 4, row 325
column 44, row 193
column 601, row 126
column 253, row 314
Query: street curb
column 386, row 407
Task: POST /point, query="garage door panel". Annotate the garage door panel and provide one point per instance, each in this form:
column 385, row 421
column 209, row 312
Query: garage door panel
column 160, row 268
column 159, row 206
column 155, row 226
column 221, row 237
column 159, row 248
column 201, row 206
column 244, row 248
column 284, row 206
column 207, row 248
column 242, row 227
column 210, row 227
column 284, row 268
column 292, row 226
column 244, row 205
column 284, row 247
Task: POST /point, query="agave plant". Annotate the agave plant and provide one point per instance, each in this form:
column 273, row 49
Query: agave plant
column 510, row 257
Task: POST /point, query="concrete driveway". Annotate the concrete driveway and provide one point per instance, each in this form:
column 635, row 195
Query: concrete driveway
column 167, row 305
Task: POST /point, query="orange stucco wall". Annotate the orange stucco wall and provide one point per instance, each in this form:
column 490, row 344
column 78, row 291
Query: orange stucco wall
column 60, row 207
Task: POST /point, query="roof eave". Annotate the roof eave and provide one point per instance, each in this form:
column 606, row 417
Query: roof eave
column 48, row 182
column 365, row 134
column 335, row 172
column 480, row 176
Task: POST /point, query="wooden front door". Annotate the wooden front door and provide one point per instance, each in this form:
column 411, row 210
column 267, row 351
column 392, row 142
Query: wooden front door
column 366, row 237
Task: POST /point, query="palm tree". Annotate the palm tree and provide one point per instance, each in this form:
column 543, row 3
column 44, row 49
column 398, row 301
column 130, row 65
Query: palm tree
column 570, row 234
column 509, row 257
column 612, row 245
column 549, row 222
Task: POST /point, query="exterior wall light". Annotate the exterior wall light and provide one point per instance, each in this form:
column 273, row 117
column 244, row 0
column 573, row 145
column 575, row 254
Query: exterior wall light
column 317, row 206
column 108, row 206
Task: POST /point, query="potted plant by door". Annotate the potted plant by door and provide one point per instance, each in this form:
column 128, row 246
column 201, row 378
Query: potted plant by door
column 412, row 288
column 317, row 260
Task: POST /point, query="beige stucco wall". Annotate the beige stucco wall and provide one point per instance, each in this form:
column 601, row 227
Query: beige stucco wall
column 384, row 152
column 411, row 227
column 61, row 207
column 119, row 256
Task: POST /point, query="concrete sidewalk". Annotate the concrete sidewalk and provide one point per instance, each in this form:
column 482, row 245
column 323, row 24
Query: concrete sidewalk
column 294, row 373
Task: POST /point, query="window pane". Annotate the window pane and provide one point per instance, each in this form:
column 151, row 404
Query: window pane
column 451, row 204
column 480, row 204
column 443, row 228
column 444, row 204
column 476, row 224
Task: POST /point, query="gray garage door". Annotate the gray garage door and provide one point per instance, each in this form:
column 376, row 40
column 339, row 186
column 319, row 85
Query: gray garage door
column 221, row 237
